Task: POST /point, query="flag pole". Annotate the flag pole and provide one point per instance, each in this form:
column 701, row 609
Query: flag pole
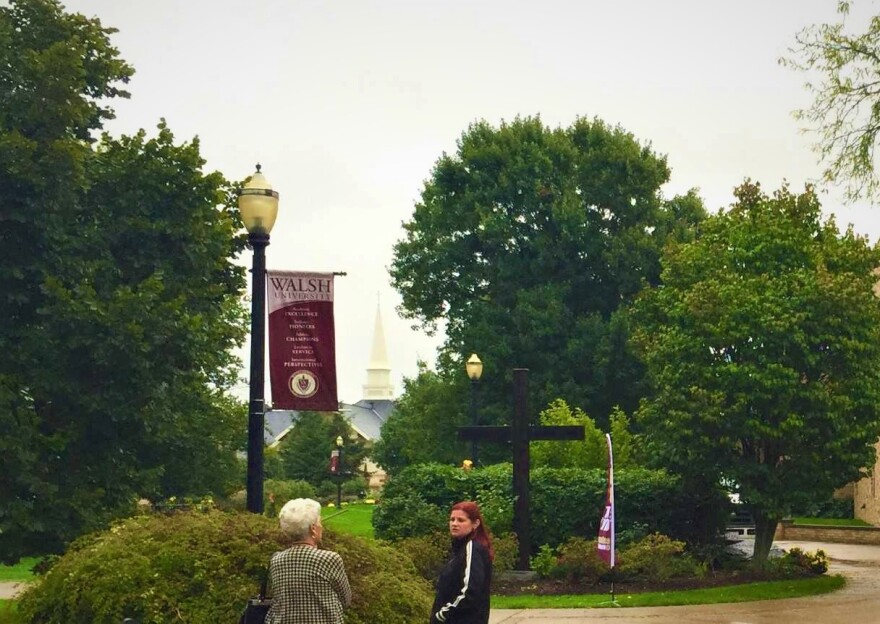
column 607, row 535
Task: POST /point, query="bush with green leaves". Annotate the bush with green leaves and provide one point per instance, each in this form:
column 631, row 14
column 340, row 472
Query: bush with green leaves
column 799, row 561
column 356, row 487
column 427, row 552
column 579, row 560
column 276, row 493
column 407, row 516
column 506, row 552
column 544, row 563
column 201, row 567
column 657, row 558
column 565, row 502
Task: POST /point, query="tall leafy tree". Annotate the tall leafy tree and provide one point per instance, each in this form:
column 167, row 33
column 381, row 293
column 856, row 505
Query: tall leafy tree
column 842, row 68
column 526, row 242
column 118, row 290
column 422, row 428
column 305, row 451
column 762, row 347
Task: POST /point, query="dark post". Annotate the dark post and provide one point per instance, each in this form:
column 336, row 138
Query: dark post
column 475, row 420
column 339, row 478
column 256, row 415
column 520, row 439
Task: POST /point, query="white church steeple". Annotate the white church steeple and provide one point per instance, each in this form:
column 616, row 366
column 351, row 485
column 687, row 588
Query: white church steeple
column 378, row 386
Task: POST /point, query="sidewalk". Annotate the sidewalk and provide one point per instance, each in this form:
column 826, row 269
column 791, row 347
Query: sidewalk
column 859, row 601
column 9, row 590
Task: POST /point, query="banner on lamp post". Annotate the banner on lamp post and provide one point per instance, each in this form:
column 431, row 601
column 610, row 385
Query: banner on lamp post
column 302, row 340
column 606, row 524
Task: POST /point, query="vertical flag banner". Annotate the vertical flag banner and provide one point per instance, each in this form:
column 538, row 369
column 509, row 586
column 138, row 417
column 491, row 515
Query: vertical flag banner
column 302, row 341
column 606, row 525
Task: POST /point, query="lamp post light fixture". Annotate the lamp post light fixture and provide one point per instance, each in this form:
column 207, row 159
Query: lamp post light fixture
column 340, row 475
column 258, row 205
column 474, row 368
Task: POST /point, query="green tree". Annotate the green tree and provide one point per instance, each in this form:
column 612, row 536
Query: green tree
column 842, row 69
column 763, row 347
column 526, row 242
column 591, row 452
column 422, row 428
column 120, row 298
column 305, row 451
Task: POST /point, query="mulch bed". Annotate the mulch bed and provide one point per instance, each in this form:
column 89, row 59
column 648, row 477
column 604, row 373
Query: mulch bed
column 550, row 587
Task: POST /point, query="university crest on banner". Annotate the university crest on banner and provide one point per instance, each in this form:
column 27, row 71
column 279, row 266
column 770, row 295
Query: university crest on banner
column 302, row 340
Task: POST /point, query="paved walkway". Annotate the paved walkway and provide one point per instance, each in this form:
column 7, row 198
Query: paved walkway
column 8, row 590
column 858, row 602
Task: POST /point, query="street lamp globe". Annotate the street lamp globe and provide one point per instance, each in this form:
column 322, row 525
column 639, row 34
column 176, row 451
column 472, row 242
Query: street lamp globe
column 474, row 367
column 258, row 204
column 338, row 440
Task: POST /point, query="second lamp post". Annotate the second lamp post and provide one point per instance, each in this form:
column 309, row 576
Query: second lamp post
column 474, row 368
column 340, row 475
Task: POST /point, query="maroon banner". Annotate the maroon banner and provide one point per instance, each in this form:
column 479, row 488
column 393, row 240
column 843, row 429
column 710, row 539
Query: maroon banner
column 605, row 542
column 302, row 341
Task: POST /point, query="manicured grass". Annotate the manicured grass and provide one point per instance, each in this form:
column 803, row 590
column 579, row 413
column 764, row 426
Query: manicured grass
column 355, row 519
column 21, row 571
column 770, row 590
column 845, row 522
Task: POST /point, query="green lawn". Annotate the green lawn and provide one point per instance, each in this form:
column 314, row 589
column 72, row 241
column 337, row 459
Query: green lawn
column 770, row 590
column 844, row 522
column 355, row 519
column 21, row 571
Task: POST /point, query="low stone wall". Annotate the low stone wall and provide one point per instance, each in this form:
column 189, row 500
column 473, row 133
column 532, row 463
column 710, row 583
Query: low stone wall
column 786, row 530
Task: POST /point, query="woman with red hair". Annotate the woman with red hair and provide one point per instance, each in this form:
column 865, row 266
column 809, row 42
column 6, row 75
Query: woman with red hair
column 463, row 585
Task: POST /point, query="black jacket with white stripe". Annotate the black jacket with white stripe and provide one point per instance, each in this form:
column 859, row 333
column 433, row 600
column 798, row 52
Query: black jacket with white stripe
column 463, row 585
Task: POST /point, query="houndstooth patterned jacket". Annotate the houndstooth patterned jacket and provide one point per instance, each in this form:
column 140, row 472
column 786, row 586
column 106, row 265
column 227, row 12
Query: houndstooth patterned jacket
column 309, row 586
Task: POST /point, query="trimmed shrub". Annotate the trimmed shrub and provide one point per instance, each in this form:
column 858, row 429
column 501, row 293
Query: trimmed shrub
column 565, row 502
column 428, row 552
column 356, row 487
column 201, row 567
column 407, row 516
column 579, row 561
column 801, row 561
column 276, row 493
column 506, row 552
column 544, row 563
column 657, row 558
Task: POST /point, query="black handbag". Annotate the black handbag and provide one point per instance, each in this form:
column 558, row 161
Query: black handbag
column 257, row 608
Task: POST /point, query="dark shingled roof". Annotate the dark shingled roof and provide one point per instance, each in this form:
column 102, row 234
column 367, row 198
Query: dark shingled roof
column 366, row 417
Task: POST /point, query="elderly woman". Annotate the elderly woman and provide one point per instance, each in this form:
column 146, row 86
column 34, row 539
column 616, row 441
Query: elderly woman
column 309, row 585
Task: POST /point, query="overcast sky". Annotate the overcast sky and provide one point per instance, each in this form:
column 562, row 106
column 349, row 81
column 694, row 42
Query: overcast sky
column 347, row 104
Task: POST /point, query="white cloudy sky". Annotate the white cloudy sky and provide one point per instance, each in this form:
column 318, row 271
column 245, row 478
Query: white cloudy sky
column 348, row 103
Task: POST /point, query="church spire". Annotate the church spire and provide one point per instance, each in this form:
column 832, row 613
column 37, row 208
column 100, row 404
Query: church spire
column 378, row 386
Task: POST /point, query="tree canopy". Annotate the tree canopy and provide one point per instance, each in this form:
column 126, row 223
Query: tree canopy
column 422, row 428
column 842, row 69
column 305, row 451
column 526, row 243
column 120, row 299
column 762, row 348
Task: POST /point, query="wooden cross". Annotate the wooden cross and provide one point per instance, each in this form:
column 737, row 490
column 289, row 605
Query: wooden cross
column 520, row 434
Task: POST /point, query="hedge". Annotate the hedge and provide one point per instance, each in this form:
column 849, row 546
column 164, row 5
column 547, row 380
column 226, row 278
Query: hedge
column 201, row 567
column 565, row 502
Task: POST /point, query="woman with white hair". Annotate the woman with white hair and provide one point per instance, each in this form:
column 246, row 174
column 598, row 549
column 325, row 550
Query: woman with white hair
column 309, row 585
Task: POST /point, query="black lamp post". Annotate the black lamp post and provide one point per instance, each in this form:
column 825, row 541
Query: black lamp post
column 474, row 368
column 340, row 473
column 258, row 205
